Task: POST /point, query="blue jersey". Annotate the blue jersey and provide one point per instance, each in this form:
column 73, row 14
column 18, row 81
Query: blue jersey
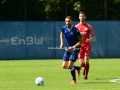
column 72, row 36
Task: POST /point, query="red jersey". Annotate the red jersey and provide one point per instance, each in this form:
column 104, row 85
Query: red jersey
column 85, row 30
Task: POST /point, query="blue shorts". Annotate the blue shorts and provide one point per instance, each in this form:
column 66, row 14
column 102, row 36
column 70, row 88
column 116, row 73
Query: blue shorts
column 72, row 56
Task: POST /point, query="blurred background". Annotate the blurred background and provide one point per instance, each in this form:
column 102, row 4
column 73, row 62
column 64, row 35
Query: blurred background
column 29, row 29
column 37, row 10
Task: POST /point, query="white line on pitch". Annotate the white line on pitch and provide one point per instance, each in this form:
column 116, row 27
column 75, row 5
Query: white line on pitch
column 115, row 80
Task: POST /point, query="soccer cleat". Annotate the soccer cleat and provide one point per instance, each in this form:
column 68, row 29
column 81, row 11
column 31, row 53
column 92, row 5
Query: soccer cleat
column 73, row 82
column 85, row 78
column 78, row 72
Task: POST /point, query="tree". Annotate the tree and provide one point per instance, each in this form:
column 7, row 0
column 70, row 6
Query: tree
column 113, row 9
column 58, row 9
column 35, row 10
column 95, row 9
column 55, row 9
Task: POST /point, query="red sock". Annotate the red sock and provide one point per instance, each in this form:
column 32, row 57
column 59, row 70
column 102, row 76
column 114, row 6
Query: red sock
column 86, row 69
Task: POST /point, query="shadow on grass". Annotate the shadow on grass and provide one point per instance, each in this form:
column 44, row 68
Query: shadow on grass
column 97, row 81
column 103, row 78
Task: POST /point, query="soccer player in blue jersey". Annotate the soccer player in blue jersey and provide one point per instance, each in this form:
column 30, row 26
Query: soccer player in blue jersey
column 73, row 42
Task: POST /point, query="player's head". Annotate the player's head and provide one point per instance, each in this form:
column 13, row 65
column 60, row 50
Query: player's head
column 82, row 16
column 68, row 21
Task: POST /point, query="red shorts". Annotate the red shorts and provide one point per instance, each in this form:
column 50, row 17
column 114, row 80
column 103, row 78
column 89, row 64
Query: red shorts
column 84, row 51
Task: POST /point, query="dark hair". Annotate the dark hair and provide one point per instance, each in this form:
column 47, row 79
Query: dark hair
column 69, row 17
column 81, row 12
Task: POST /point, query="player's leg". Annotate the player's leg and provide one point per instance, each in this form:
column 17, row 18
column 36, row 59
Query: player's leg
column 65, row 64
column 81, row 58
column 72, row 71
column 86, row 70
column 77, row 68
column 86, row 59
column 72, row 59
column 82, row 64
column 75, row 56
column 65, row 60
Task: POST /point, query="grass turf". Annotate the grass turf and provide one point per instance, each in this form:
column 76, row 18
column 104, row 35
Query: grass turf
column 21, row 75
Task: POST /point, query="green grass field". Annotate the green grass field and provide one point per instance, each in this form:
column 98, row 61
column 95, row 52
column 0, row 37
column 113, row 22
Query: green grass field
column 21, row 75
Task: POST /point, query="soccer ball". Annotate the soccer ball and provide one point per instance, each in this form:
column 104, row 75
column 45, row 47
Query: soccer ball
column 39, row 81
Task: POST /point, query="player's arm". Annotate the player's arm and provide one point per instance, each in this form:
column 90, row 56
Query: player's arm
column 92, row 38
column 79, row 42
column 92, row 35
column 76, row 45
column 61, row 40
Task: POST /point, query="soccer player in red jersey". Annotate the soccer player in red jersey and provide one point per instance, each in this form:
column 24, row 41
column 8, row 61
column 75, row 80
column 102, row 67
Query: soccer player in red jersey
column 86, row 30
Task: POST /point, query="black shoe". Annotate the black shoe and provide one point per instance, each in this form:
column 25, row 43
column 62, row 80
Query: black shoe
column 85, row 78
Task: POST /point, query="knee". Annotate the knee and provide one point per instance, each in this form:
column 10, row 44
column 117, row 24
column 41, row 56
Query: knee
column 82, row 64
column 86, row 61
column 64, row 67
column 69, row 67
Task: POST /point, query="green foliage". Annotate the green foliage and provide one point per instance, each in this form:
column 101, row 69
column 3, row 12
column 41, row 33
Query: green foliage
column 77, row 6
column 21, row 75
column 116, row 1
column 54, row 9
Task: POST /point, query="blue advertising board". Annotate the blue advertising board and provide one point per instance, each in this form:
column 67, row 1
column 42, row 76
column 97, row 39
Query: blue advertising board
column 40, row 39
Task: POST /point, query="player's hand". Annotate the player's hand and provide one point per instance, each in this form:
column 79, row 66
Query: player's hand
column 61, row 46
column 69, row 49
column 88, row 40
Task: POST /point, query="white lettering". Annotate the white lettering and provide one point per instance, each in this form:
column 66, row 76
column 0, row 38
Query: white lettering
column 14, row 41
column 38, row 41
column 83, row 33
column 27, row 41
column 21, row 41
